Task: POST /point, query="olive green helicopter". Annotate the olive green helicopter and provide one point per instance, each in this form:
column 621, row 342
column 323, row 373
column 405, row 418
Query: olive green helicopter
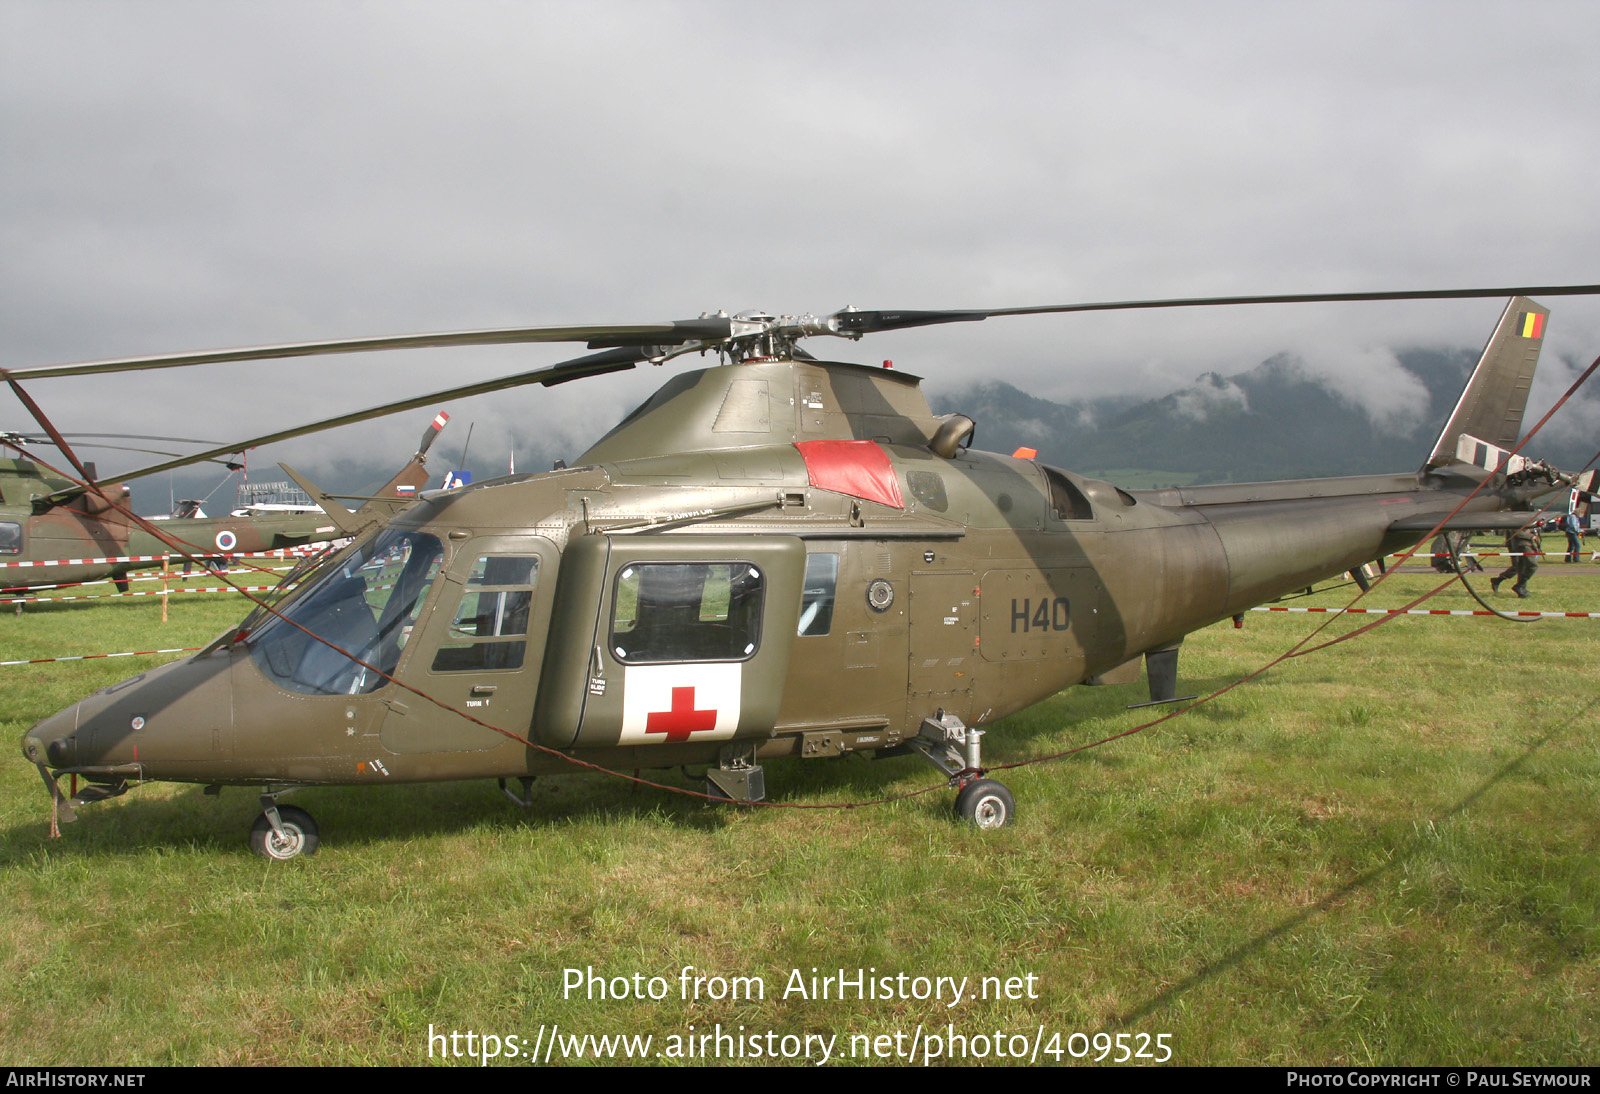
column 54, row 533
column 57, row 533
column 776, row 556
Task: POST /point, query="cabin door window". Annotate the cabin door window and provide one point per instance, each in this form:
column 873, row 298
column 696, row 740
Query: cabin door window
column 479, row 650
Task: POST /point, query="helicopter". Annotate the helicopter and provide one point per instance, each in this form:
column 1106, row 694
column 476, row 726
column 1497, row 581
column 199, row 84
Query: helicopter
column 775, row 556
column 54, row 531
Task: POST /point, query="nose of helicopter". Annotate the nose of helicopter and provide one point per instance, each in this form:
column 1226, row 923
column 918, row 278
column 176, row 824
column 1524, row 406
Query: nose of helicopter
column 160, row 721
column 50, row 741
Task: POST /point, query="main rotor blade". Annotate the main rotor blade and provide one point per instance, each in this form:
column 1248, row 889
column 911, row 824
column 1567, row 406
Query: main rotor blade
column 854, row 323
column 116, row 447
column 712, row 329
column 595, row 364
column 1306, row 298
column 634, row 335
column 125, row 437
column 871, row 322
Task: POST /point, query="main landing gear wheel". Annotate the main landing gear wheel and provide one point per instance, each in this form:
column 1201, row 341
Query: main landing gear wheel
column 986, row 803
column 299, row 835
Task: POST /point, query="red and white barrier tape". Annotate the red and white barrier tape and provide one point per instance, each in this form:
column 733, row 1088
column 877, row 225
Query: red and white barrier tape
column 1594, row 556
column 281, row 552
column 92, row 656
column 146, row 576
column 141, row 592
column 1426, row 611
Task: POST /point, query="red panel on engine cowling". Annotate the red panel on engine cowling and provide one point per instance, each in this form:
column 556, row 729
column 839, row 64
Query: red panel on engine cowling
column 860, row 469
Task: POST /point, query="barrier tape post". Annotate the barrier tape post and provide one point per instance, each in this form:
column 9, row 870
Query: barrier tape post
column 164, row 596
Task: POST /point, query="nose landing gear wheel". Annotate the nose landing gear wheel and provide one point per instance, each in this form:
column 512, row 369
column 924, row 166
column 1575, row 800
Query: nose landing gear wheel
column 986, row 803
column 299, row 836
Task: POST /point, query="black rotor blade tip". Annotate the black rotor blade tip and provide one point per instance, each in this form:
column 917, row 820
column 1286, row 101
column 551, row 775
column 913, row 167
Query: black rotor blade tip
column 870, row 322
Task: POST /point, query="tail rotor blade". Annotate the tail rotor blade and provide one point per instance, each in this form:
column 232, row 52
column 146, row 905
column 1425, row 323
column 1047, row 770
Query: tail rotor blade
column 431, row 434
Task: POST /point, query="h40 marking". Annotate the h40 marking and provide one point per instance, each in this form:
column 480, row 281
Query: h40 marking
column 1047, row 615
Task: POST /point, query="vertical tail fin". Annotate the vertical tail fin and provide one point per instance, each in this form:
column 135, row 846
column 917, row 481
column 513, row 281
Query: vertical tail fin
column 1490, row 409
column 394, row 496
column 414, row 475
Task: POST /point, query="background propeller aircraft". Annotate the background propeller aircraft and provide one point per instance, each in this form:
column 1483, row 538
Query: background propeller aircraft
column 776, row 556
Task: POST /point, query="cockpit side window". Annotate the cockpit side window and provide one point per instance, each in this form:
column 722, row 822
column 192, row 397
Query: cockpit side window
column 490, row 627
column 10, row 538
column 366, row 607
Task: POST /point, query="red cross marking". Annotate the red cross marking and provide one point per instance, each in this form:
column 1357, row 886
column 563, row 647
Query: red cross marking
column 682, row 719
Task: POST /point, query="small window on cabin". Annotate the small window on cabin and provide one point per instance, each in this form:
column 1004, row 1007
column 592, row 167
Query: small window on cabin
column 816, row 596
column 928, row 488
column 686, row 611
column 490, row 626
column 10, row 538
column 1069, row 502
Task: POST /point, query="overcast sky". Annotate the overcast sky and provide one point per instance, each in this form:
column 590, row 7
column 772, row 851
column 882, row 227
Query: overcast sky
column 193, row 175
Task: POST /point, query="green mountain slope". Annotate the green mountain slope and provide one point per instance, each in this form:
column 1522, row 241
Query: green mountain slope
column 1275, row 421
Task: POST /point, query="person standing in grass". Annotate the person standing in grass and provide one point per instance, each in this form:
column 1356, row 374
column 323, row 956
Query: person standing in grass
column 1524, row 547
column 1450, row 548
column 1573, row 527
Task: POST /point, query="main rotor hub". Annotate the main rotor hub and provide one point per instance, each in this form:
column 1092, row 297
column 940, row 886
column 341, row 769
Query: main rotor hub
column 761, row 336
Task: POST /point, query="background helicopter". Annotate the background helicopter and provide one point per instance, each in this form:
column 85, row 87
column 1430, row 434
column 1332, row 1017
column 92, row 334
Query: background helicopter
column 777, row 556
column 45, row 517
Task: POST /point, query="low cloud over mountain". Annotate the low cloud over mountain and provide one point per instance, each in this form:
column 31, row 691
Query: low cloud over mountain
column 1282, row 419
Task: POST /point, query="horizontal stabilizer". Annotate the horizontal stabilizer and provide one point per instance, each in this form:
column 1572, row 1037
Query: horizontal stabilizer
column 1504, row 521
column 1478, row 453
column 1489, row 457
column 346, row 521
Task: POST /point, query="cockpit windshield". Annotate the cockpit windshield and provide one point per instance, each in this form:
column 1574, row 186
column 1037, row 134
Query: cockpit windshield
column 365, row 607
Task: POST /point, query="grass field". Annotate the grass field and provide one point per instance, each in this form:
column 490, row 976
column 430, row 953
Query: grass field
column 1385, row 852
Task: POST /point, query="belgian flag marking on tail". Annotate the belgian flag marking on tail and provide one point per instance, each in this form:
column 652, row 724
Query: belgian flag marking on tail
column 1530, row 324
